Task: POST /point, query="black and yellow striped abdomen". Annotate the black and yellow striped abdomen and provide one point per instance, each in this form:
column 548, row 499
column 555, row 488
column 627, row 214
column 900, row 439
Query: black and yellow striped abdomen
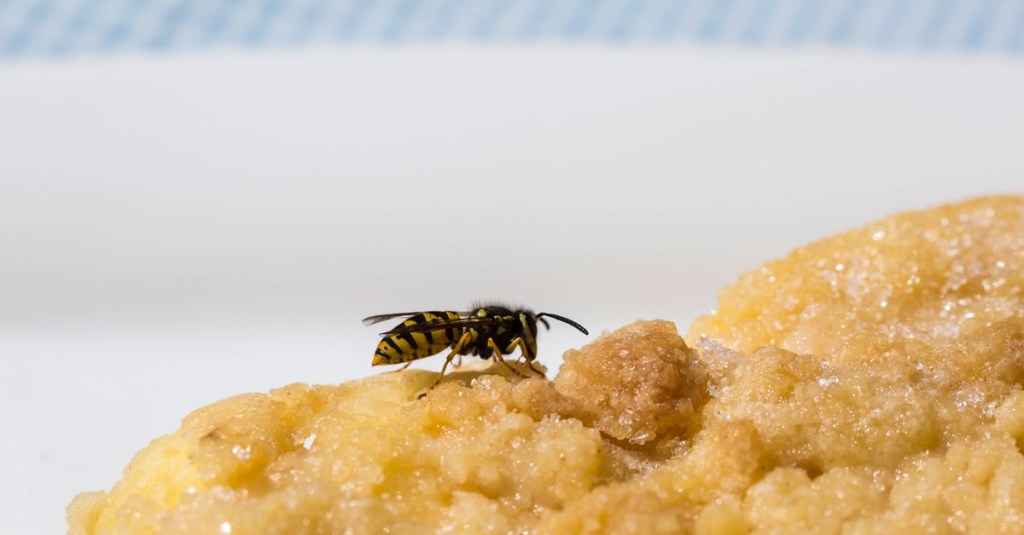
column 408, row 346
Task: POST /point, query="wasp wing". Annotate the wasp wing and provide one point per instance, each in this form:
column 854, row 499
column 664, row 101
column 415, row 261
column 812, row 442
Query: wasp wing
column 384, row 317
column 442, row 324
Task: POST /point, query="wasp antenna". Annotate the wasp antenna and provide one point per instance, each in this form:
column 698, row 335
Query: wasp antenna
column 545, row 322
column 563, row 319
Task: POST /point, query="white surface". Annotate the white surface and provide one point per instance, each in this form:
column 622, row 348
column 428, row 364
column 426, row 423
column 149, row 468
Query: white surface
column 176, row 230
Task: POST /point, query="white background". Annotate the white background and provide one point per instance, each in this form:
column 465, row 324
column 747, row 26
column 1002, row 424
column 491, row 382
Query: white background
column 175, row 230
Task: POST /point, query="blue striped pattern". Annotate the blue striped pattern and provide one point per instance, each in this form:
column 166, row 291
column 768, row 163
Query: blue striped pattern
column 33, row 28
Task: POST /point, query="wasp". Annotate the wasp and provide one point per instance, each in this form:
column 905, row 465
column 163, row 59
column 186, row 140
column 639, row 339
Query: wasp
column 488, row 330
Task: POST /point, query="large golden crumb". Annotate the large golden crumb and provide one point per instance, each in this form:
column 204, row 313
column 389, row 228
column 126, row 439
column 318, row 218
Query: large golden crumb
column 866, row 383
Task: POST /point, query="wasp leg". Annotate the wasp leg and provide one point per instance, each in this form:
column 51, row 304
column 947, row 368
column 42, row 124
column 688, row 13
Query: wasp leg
column 501, row 359
column 455, row 351
column 522, row 350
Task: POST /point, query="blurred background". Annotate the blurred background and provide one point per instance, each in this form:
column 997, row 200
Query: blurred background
column 203, row 198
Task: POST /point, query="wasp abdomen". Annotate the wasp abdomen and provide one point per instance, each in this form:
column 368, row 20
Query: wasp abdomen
column 408, row 346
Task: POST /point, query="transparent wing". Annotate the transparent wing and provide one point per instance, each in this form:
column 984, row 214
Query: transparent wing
column 384, row 317
column 443, row 324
